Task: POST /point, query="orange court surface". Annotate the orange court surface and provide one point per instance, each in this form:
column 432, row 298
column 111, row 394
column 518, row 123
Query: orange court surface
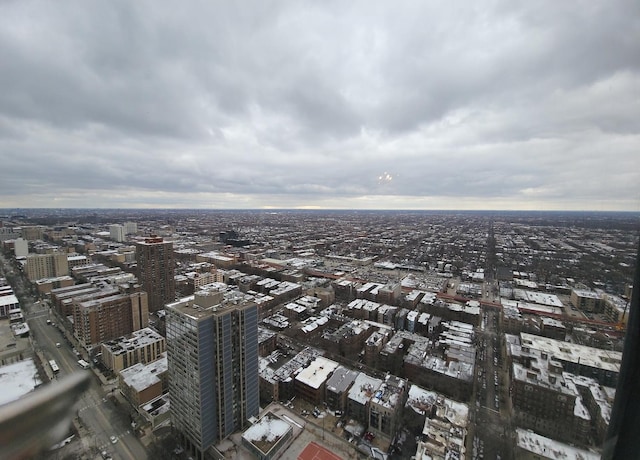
column 315, row 451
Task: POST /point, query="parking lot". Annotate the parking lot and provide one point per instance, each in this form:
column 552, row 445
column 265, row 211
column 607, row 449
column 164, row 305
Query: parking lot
column 330, row 422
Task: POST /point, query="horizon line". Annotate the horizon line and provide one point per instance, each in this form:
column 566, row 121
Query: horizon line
column 314, row 209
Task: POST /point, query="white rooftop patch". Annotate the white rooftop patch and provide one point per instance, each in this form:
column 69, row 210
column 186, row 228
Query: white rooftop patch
column 550, row 448
column 17, row 379
column 317, row 372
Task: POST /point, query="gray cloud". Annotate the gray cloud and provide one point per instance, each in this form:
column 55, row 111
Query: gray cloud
column 216, row 104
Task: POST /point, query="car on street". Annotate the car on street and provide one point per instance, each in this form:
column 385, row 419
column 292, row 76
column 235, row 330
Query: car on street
column 113, row 439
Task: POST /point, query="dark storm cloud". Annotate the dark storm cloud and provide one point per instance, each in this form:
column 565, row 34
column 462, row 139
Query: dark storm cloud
column 217, row 103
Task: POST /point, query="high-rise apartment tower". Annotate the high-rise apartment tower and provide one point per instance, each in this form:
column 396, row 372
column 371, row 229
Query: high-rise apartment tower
column 41, row 266
column 116, row 232
column 156, row 264
column 212, row 348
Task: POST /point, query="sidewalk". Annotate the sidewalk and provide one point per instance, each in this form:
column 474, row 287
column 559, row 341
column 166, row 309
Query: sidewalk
column 86, row 435
column 43, row 363
column 61, row 325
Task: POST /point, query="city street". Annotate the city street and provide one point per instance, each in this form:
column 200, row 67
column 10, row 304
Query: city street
column 491, row 411
column 97, row 415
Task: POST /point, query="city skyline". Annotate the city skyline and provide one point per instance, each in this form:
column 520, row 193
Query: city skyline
column 417, row 106
column 446, row 334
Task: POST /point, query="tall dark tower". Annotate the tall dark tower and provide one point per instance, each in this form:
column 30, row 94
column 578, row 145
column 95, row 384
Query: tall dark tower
column 156, row 267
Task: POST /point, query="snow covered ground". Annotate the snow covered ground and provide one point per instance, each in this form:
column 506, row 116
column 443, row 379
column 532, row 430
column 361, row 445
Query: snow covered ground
column 17, row 379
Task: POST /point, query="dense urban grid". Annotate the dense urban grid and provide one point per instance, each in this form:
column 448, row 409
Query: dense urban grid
column 326, row 334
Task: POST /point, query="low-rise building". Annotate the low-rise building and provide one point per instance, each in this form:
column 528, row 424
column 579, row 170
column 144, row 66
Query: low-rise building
column 348, row 339
column 385, row 407
column 277, row 373
column 401, row 319
column 359, row 396
column 310, row 383
column 599, row 402
column 46, row 285
column 553, row 328
column 616, row 309
column 294, row 311
column 217, row 259
column 545, row 400
column 424, row 404
column 532, row 446
column 449, row 311
column 17, row 378
column 586, row 300
column 389, row 293
column 157, row 411
column 77, row 260
column 267, row 341
column 373, row 346
column 8, row 304
column 62, row 297
column 13, row 347
column 361, row 308
column 602, row 365
column 266, row 438
column 285, row 290
column 338, row 386
column 142, row 346
column 447, row 368
column 142, row 383
column 511, row 317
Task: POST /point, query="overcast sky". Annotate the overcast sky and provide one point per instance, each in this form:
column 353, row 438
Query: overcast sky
column 328, row 104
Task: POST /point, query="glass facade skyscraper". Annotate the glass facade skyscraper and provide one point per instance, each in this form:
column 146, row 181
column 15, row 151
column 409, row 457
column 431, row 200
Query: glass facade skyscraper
column 212, row 345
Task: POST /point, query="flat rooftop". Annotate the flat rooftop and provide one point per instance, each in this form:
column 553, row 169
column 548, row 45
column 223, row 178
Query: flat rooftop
column 389, row 394
column 204, row 304
column 138, row 339
column 341, row 379
column 364, row 388
column 574, row 353
column 141, row 376
column 6, row 300
column 317, row 372
column 18, row 379
column 550, row 448
column 266, row 432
